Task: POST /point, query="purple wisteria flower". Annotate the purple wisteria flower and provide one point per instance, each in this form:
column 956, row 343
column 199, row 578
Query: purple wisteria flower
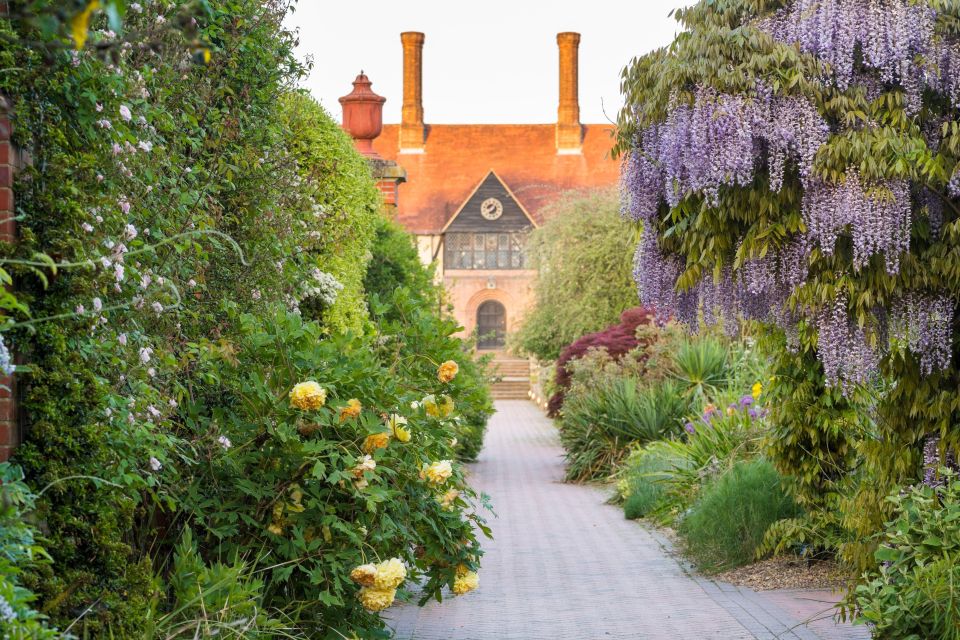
column 710, row 142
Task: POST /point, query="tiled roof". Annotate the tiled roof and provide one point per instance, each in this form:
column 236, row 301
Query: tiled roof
column 457, row 157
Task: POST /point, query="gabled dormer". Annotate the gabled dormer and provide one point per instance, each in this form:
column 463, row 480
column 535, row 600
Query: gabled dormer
column 489, row 229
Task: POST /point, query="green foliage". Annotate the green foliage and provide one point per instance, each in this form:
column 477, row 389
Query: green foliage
column 185, row 208
column 728, row 521
column 914, row 593
column 222, row 600
column 346, row 207
column 286, row 494
column 816, row 440
column 701, row 366
column 820, row 435
column 711, row 445
column 394, row 263
column 647, row 471
column 598, row 426
column 18, row 551
column 218, row 162
column 583, row 255
column 395, row 272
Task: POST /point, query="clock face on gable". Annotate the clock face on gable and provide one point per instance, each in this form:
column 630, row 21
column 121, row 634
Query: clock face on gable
column 491, row 206
column 491, row 209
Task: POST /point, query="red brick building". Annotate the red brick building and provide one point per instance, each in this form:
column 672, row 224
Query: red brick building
column 472, row 192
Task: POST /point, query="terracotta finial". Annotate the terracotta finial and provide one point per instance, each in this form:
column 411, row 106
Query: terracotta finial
column 363, row 115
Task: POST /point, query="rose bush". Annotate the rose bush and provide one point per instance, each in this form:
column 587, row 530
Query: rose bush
column 299, row 482
column 211, row 229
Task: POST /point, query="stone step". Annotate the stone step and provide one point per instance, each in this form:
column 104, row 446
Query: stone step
column 514, row 390
column 511, row 370
column 513, row 375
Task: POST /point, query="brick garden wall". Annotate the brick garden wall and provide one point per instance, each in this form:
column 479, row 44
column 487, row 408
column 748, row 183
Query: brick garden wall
column 9, row 435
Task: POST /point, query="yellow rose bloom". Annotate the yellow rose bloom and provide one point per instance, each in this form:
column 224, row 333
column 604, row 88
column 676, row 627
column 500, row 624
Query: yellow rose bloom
column 398, row 426
column 438, row 472
column 448, row 371
column 375, row 600
column 376, row 441
column 448, row 498
column 446, row 406
column 365, row 464
column 466, row 583
column 390, row 574
column 430, row 406
column 365, row 575
column 350, row 410
column 756, row 390
column 438, row 407
column 308, row 395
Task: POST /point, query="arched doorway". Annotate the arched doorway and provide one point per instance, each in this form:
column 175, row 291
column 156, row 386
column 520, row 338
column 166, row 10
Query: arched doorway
column 491, row 325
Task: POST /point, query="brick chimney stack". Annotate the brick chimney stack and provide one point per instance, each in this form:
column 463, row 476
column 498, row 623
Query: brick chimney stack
column 569, row 131
column 412, row 130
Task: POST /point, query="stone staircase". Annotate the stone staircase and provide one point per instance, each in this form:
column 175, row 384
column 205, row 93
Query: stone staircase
column 514, row 375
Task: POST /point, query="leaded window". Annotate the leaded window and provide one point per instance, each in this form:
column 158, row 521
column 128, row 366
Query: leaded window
column 484, row 250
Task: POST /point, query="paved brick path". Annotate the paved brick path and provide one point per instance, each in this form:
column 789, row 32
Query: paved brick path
column 564, row 565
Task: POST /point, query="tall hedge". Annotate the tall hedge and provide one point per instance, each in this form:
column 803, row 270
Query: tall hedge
column 142, row 147
column 584, row 283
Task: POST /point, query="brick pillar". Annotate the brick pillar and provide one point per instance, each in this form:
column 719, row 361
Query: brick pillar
column 389, row 176
column 9, row 434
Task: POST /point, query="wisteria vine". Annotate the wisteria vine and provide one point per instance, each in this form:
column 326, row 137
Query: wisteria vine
column 710, row 141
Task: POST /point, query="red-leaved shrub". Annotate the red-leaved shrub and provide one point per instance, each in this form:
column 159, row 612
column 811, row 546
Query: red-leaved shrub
column 617, row 340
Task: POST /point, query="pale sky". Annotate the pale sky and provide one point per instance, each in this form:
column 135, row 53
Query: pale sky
column 492, row 61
